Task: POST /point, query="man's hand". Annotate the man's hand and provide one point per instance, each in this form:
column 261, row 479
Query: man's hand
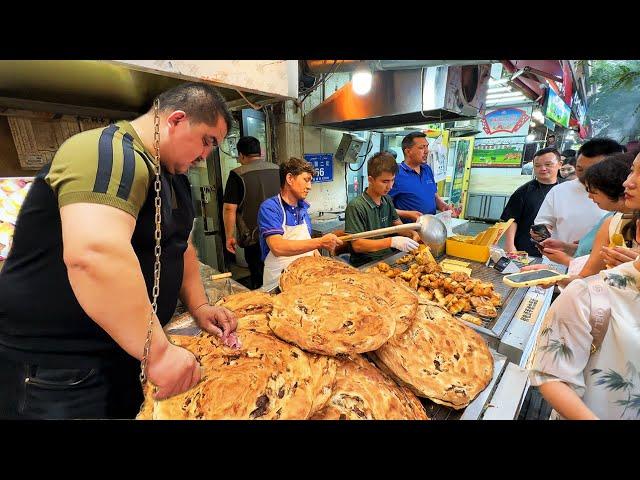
column 413, row 215
column 330, row 241
column 219, row 321
column 404, row 244
column 173, row 371
column 557, row 256
column 231, row 244
column 552, row 243
column 613, row 257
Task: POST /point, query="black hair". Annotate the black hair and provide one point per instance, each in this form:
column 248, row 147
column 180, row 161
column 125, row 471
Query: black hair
column 294, row 166
column 570, row 161
column 248, row 146
column 202, row 103
column 407, row 141
column 600, row 146
column 381, row 162
column 628, row 232
column 568, row 153
column 546, row 150
column 608, row 175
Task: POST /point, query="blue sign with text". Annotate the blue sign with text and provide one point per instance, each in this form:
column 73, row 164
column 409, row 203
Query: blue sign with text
column 322, row 166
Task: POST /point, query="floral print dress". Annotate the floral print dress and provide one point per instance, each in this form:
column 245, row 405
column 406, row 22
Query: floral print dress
column 608, row 380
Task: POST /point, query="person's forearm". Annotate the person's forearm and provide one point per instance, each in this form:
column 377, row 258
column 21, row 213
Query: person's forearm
column 509, row 237
column 287, row 248
column 407, row 214
column 108, row 284
column 192, row 291
column 565, row 401
column 367, row 245
column 229, row 219
column 440, row 204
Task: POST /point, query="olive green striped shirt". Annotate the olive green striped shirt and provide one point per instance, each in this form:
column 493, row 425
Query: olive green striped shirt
column 106, row 165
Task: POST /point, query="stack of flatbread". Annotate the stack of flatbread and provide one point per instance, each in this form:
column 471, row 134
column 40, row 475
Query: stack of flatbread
column 270, row 379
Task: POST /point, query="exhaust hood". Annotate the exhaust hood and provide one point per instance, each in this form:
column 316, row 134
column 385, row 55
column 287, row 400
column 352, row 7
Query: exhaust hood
column 406, row 97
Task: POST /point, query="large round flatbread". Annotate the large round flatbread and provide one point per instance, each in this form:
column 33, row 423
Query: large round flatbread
column 363, row 392
column 264, row 379
column 311, row 268
column 247, row 303
column 323, row 370
column 439, row 358
column 403, row 302
column 258, row 322
column 337, row 315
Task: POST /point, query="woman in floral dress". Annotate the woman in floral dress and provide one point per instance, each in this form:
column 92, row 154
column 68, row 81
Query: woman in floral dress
column 606, row 384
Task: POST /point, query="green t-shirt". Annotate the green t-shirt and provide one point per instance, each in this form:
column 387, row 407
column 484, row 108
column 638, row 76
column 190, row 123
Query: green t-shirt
column 106, row 165
column 362, row 215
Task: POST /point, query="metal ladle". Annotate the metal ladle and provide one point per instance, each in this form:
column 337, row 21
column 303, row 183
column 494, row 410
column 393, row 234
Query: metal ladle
column 431, row 230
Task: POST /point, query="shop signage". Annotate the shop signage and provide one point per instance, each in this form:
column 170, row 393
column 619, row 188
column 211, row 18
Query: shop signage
column 578, row 108
column 556, row 110
column 505, row 120
column 498, row 152
column 322, row 166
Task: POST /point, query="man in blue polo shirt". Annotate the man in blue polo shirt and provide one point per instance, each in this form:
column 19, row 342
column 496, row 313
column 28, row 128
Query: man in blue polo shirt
column 285, row 226
column 414, row 192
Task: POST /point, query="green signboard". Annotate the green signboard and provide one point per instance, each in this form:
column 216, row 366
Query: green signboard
column 498, row 152
column 557, row 110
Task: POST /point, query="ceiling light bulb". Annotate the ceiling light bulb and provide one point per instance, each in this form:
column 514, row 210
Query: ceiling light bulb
column 361, row 82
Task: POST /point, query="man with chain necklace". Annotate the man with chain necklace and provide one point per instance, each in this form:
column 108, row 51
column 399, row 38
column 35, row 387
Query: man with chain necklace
column 81, row 283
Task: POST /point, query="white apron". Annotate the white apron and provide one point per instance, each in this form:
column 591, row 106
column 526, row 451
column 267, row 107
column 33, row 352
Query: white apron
column 274, row 265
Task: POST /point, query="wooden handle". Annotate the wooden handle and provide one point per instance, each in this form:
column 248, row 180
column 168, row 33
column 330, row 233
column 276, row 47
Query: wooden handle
column 218, row 276
column 380, row 231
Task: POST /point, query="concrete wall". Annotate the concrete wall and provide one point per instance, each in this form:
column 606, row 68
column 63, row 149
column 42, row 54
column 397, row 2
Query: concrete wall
column 294, row 139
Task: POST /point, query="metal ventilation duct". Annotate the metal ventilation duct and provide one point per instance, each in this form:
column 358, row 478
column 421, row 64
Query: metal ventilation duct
column 405, row 97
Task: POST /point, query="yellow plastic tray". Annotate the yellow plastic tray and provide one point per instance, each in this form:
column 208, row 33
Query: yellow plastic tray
column 479, row 253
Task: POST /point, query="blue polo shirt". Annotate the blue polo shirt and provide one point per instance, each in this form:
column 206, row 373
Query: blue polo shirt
column 270, row 219
column 413, row 191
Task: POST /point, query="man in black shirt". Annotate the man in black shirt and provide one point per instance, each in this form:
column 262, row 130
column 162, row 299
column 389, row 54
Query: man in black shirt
column 525, row 202
column 247, row 187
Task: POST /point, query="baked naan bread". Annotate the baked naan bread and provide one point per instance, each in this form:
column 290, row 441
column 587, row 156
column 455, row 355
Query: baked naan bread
column 337, row 315
column 323, row 370
column 403, row 301
column 439, row 358
column 258, row 322
column 363, row 392
column 312, row 268
column 247, row 303
column 264, row 379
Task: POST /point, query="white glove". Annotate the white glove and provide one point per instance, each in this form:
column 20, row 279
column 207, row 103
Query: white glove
column 404, row 244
